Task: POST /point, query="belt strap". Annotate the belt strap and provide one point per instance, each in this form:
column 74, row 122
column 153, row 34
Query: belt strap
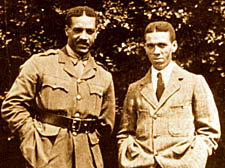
column 73, row 124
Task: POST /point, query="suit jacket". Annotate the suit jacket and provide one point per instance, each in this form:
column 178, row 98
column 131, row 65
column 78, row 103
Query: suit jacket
column 48, row 82
column 179, row 131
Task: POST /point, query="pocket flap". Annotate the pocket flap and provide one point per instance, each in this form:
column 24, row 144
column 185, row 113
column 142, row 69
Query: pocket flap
column 55, row 82
column 96, row 89
column 46, row 129
column 180, row 104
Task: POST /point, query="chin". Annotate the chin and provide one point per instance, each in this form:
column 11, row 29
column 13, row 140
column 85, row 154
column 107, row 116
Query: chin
column 159, row 67
column 83, row 51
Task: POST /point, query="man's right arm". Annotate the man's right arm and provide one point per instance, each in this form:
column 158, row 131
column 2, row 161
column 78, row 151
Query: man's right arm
column 128, row 117
column 127, row 130
column 15, row 106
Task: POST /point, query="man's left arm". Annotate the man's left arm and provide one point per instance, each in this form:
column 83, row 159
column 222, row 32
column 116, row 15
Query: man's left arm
column 206, row 115
column 107, row 117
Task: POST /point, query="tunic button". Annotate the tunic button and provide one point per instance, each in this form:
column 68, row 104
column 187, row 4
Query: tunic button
column 78, row 80
column 155, row 117
column 78, row 97
column 77, row 115
column 74, row 133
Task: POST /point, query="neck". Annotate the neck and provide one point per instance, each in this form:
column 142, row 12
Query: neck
column 75, row 54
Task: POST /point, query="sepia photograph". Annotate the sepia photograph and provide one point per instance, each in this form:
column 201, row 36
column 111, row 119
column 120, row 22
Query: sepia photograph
column 112, row 83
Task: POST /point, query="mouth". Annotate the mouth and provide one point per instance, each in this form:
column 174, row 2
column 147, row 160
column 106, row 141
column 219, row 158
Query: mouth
column 159, row 59
column 82, row 45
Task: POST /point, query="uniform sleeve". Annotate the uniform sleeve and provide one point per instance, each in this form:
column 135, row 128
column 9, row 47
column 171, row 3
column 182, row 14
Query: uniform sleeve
column 206, row 115
column 107, row 117
column 15, row 106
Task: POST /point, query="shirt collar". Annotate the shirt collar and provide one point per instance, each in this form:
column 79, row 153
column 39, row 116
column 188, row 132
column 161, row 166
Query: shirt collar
column 165, row 72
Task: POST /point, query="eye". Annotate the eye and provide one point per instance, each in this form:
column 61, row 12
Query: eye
column 162, row 45
column 77, row 30
column 150, row 46
column 90, row 31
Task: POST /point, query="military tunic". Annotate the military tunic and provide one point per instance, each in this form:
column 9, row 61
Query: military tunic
column 49, row 82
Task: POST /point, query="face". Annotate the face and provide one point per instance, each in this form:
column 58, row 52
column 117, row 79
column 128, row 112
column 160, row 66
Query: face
column 81, row 33
column 159, row 49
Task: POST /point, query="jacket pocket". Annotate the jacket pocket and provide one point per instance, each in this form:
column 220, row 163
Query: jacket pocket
column 182, row 146
column 55, row 83
column 96, row 89
column 96, row 96
column 181, row 120
column 54, row 93
column 38, row 142
column 44, row 139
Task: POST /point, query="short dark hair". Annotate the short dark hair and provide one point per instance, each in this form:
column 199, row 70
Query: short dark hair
column 161, row 26
column 79, row 11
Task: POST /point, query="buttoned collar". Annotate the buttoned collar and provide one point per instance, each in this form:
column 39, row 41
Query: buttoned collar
column 75, row 57
column 64, row 58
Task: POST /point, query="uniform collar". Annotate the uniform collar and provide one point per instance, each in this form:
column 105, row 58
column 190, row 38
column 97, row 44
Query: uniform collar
column 64, row 58
column 75, row 57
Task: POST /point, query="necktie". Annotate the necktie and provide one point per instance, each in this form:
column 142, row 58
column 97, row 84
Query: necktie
column 79, row 67
column 160, row 86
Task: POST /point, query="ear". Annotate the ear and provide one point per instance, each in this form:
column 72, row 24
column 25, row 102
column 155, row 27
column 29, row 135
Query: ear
column 66, row 30
column 174, row 46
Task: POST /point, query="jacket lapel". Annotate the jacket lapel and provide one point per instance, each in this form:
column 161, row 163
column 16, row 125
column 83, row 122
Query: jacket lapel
column 147, row 91
column 173, row 85
column 68, row 64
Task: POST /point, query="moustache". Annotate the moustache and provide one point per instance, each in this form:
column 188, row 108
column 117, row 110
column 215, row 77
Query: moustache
column 83, row 42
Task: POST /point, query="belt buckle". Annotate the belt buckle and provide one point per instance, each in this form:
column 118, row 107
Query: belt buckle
column 76, row 125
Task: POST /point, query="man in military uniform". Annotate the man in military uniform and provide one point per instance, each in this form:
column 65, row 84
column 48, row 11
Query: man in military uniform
column 63, row 101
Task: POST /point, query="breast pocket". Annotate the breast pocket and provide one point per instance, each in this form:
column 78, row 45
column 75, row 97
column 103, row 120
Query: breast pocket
column 55, row 84
column 181, row 120
column 54, row 92
column 96, row 96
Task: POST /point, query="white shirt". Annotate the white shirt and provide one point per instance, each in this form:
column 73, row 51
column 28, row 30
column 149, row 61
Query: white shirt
column 166, row 72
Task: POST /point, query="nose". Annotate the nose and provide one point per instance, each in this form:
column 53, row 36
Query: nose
column 156, row 50
column 84, row 35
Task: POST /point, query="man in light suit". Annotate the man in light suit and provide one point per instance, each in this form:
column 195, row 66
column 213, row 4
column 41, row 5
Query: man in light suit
column 169, row 117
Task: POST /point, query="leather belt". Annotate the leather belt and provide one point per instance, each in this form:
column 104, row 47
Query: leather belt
column 75, row 125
